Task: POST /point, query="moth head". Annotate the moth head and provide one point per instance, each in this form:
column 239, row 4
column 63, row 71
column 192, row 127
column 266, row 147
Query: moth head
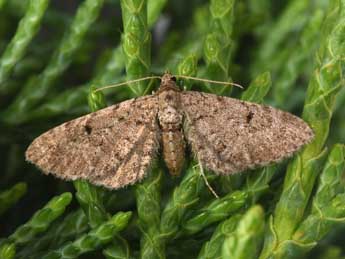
column 167, row 78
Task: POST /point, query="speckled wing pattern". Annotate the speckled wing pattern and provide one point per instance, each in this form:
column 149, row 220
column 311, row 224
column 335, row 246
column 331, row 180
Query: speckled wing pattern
column 112, row 147
column 228, row 135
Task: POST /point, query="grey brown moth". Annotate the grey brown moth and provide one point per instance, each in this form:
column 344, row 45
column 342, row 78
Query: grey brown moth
column 115, row 146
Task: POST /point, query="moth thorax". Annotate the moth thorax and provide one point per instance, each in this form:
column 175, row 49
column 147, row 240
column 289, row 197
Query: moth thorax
column 169, row 114
column 170, row 118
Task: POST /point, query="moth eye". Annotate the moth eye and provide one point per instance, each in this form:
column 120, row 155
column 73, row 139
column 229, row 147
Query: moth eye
column 173, row 78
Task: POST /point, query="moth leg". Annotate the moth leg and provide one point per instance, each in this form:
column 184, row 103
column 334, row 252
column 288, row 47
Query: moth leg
column 202, row 173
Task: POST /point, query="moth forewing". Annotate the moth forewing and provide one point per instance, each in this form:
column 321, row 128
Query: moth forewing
column 231, row 136
column 112, row 147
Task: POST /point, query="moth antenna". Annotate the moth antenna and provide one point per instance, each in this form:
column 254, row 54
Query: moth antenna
column 209, row 81
column 127, row 82
column 205, row 179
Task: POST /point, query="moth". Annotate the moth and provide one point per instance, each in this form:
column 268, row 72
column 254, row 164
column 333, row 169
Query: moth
column 115, row 146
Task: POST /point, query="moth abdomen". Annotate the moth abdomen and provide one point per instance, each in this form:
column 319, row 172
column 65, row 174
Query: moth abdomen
column 173, row 150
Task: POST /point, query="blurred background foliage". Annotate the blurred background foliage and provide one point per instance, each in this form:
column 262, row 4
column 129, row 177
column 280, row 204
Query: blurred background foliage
column 289, row 54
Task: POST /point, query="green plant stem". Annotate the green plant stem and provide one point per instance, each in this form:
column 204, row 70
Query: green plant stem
column 291, row 20
column 188, row 67
column 109, row 73
column 328, row 208
column 10, row 197
column 179, row 49
column 212, row 249
column 136, row 41
column 257, row 182
column 96, row 238
column 154, row 8
column 90, row 199
column 41, row 220
column 245, row 241
column 258, row 88
column 38, row 87
column 296, row 61
column 218, row 43
column 117, row 249
column 7, row 251
column 148, row 205
column 302, row 171
column 60, row 232
column 217, row 210
column 2, row 3
column 184, row 197
column 27, row 29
